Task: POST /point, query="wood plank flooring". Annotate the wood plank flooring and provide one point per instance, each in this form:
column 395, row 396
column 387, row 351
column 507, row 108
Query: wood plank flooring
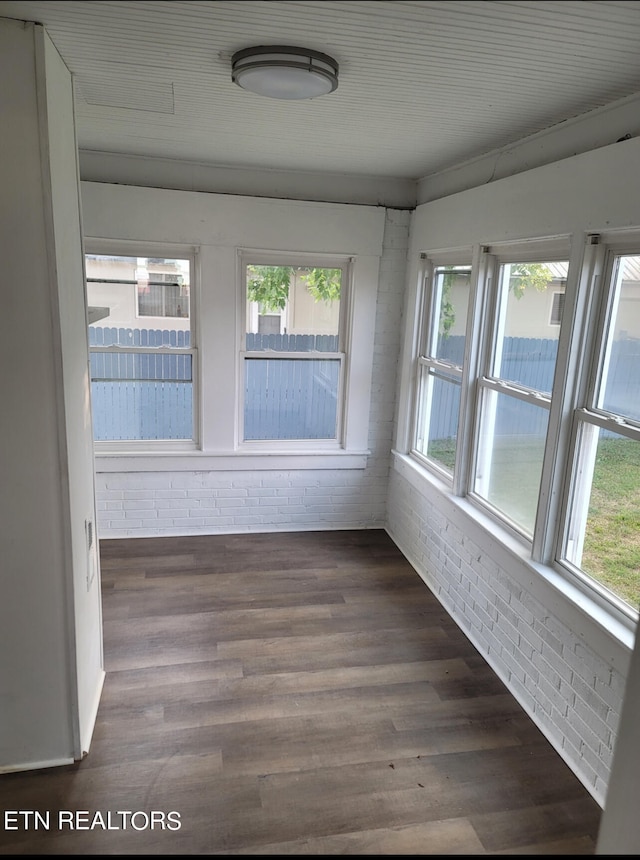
column 299, row 693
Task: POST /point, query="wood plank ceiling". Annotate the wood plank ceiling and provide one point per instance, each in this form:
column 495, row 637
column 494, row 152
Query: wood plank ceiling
column 423, row 85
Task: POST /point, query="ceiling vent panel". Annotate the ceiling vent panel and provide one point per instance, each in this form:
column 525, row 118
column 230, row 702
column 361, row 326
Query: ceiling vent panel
column 128, row 94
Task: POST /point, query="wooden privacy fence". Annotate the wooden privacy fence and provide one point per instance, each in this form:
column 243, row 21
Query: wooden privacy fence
column 531, row 362
column 149, row 395
column 141, row 395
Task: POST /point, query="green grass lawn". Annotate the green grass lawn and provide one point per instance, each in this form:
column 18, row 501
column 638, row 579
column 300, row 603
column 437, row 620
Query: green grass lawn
column 611, row 552
column 612, row 542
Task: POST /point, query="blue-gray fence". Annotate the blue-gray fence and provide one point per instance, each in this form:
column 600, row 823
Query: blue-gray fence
column 527, row 361
column 291, row 398
column 292, row 342
column 531, row 362
column 137, row 395
column 112, row 336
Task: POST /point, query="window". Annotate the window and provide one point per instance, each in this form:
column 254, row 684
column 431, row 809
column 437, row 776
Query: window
column 534, row 422
column 557, row 306
column 162, row 294
column 514, row 394
column 439, row 366
column 601, row 539
column 293, row 362
column 141, row 348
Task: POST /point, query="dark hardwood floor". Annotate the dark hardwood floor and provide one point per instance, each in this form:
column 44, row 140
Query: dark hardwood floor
column 299, row 693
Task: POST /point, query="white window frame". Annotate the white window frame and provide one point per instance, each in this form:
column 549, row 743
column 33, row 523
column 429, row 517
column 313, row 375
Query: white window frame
column 126, row 248
column 577, row 346
column 487, row 325
column 247, row 257
column 217, row 306
column 428, row 307
column 587, row 417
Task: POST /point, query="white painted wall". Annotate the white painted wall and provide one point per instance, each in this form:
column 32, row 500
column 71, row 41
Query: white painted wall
column 68, row 282
column 566, row 669
column 50, row 628
column 224, row 487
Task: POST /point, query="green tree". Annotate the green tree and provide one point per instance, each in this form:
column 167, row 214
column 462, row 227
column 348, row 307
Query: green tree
column 522, row 277
column 269, row 285
column 324, row 284
column 447, row 311
column 529, row 275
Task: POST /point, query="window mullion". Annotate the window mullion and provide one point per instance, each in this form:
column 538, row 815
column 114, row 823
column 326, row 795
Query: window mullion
column 482, row 275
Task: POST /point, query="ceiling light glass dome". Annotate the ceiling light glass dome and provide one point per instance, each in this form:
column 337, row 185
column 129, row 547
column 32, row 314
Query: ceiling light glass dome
column 284, row 72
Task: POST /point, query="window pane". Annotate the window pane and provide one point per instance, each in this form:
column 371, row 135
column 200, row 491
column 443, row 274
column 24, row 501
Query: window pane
column 509, row 462
column 141, row 396
column 133, row 287
column 291, row 398
column 451, row 302
column 291, row 308
column 163, row 299
column 605, row 512
column 620, row 383
column 527, row 339
column 139, row 302
column 438, row 410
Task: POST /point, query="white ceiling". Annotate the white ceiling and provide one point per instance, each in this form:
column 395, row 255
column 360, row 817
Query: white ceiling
column 423, row 86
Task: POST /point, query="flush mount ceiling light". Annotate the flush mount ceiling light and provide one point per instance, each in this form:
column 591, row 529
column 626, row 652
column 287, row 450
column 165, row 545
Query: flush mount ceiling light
column 283, row 72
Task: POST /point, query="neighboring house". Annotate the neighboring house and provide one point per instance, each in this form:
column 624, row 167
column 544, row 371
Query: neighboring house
column 139, row 292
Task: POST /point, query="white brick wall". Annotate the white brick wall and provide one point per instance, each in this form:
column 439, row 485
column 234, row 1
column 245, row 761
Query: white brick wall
column 136, row 504
column 571, row 692
column 141, row 504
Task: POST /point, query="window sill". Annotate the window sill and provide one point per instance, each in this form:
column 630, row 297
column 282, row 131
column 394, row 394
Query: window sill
column 608, row 632
column 199, row 461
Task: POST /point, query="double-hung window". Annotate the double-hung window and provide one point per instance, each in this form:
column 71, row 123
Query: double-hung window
column 294, row 356
column 515, row 386
column 558, row 469
column 601, row 538
column 445, row 302
column 141, row 348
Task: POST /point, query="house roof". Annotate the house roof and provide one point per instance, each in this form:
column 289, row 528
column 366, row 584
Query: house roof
column 423, row 86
